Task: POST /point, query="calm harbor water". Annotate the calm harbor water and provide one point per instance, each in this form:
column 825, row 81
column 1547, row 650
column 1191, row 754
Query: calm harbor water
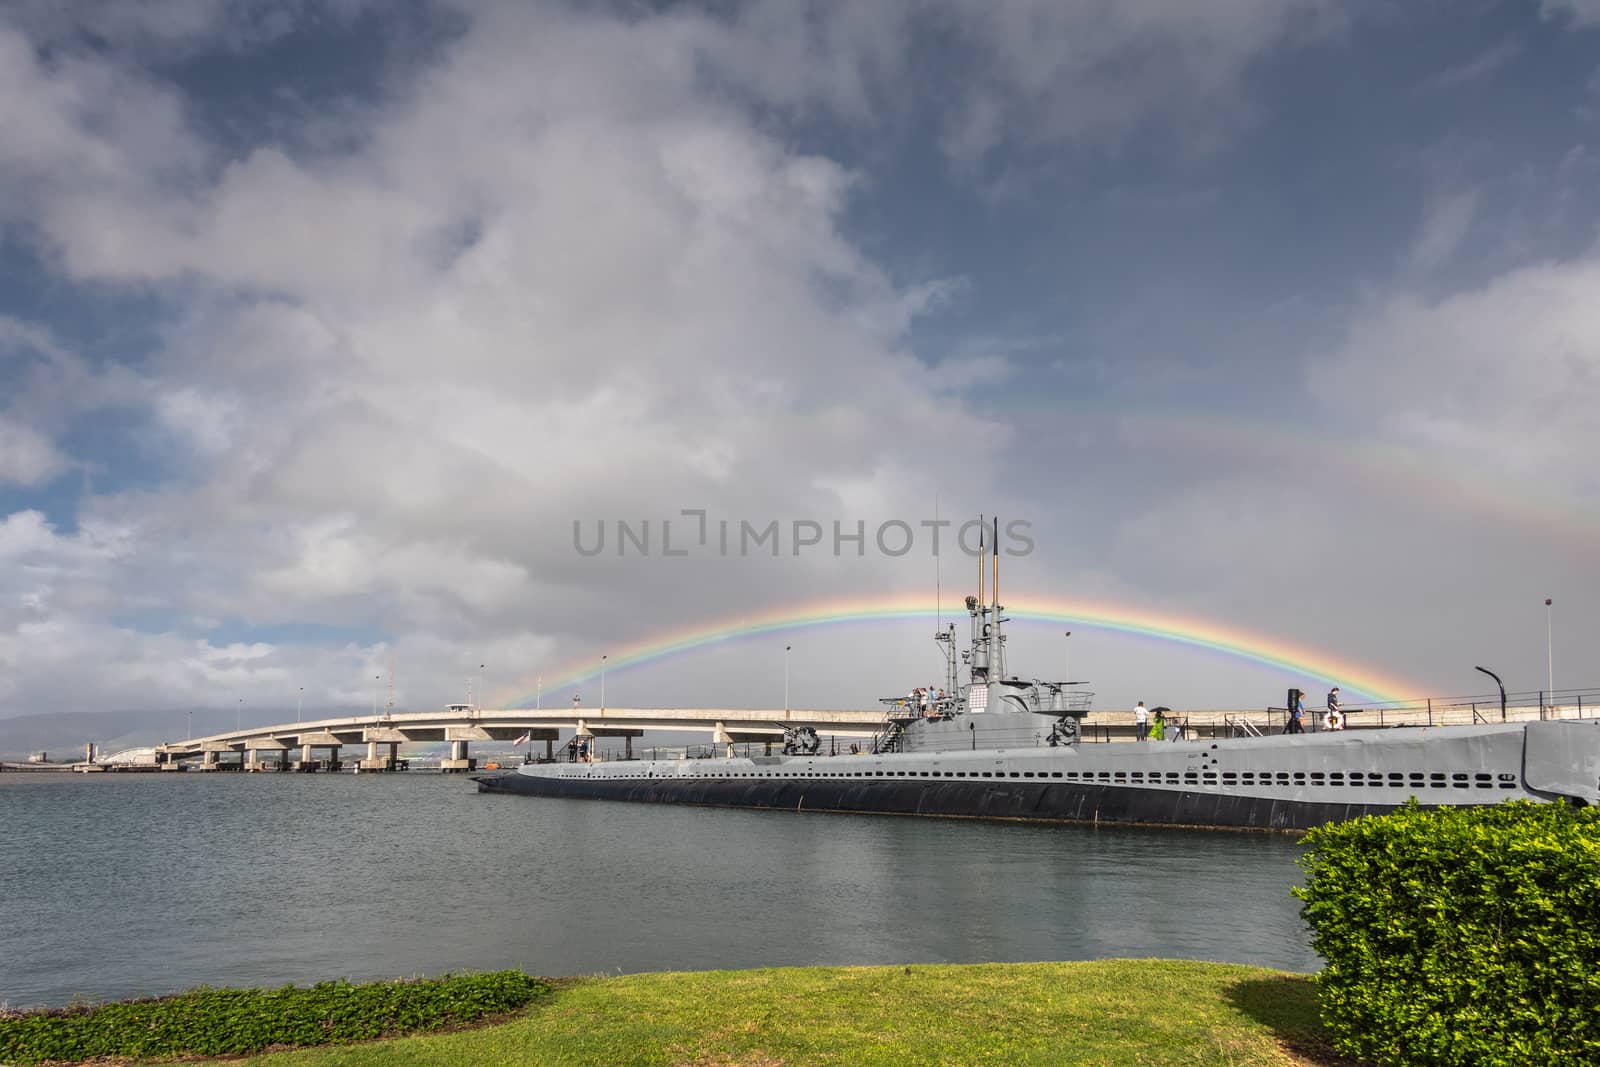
column 126, row 885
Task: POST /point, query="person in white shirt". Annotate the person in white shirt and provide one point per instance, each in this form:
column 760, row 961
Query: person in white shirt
column 1141, row 721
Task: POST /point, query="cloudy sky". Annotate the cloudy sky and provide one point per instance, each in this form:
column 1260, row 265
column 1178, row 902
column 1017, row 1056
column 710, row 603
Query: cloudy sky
column 321, row 324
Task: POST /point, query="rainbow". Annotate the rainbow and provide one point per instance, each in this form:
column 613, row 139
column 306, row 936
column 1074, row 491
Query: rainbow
column 1206, row 635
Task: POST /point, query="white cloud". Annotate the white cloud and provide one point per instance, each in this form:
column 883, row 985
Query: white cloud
column 1502, row 380
column 1089, row 72
column 27, row 458
column 1582, row 13
column 1444, row 225
column 557, row 278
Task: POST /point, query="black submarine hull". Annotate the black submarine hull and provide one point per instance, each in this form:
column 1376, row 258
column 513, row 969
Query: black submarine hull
column 1011, row 800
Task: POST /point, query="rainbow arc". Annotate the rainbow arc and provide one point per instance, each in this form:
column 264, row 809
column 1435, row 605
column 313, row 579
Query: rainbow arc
column 1361, row 683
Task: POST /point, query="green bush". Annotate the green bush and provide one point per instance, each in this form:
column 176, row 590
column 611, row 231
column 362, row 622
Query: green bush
column 222, row 1022
column 1459, row 935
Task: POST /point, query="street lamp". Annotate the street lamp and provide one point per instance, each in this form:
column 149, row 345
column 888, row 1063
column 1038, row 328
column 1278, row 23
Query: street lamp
column 1066, row 657
column 786, row 677
column 1502, row 686
column 480, row 686
column 300, row 704
column 602, row 683
column 1549, row 655
column 238, row 716
column 377, row 683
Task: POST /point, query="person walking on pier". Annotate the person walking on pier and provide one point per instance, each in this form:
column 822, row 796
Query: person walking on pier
column 1335, row 716
column 1141, row 721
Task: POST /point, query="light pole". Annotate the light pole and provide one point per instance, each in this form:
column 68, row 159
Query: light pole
column 480, row 686
column 1549, row 655
column 238, row 716
column 1502, row 686
column 377, row 682
column 300, row 704
column 1066, row 657
column 786, row 677
column 602, row 683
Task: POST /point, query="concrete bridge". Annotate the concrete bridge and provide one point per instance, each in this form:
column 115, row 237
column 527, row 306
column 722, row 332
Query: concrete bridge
column 318, row 744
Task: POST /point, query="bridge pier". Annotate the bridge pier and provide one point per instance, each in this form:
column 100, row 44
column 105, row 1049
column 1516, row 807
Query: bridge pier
column 310, row 742
column 459, row 760
column 255, row 747
column 376, row 738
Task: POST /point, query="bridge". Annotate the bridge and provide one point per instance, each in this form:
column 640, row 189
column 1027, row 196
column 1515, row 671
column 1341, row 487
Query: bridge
column 318, row 744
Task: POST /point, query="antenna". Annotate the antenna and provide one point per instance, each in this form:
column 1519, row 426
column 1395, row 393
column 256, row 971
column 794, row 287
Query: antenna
column 938, row 592
column 981, row 600
column 388, row 710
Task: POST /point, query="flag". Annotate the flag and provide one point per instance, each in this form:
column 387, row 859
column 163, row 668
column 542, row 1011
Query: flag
column 524, row 739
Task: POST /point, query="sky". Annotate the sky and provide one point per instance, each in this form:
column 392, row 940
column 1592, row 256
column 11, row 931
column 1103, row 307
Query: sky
column 335, row 336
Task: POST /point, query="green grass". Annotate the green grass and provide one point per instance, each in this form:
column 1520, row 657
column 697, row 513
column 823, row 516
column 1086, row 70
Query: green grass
column 1106, row 1012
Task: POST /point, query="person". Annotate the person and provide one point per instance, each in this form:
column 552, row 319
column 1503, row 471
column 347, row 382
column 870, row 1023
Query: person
column 1299, row 711
column 1333, row 709
column 1141, row 721
column 1295, row 724
column 1158, row 726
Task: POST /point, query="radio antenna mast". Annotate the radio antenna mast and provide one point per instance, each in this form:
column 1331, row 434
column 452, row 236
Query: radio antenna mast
column 938, row 588
column 388, row 709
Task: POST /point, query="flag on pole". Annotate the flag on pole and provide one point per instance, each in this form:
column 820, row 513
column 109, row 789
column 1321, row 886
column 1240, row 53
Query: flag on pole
column 524, row 739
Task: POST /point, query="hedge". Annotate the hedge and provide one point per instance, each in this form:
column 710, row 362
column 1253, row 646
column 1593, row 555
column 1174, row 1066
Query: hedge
column 1459, row 935
column 222, row 1022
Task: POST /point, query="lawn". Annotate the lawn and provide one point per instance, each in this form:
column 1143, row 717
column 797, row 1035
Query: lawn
column 1103, row 1012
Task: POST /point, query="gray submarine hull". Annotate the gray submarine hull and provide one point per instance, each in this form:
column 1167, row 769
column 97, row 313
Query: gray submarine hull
column 1268, row 783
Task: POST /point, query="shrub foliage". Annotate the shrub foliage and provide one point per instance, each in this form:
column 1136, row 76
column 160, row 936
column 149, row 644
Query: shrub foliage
column 1459, row 936
column 220, row 1022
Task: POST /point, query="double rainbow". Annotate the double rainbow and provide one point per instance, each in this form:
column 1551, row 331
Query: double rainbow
column 1360, row 683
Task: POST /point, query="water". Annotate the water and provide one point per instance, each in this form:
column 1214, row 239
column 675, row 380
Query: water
column 129, row 885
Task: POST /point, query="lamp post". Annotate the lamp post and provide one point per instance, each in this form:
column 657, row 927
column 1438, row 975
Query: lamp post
column 300, row 704
column 1502, row 686
column 479, row 692
column 377, row 682
column 238, row 716
column 1066, row 658
column 603, row 683
column 786, row 677
column 1549, row 656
